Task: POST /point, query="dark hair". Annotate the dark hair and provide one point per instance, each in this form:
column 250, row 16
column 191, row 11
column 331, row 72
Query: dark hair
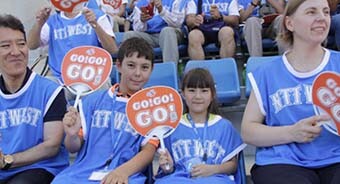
column 9, row 21
column 201, row 78
column 133, row 45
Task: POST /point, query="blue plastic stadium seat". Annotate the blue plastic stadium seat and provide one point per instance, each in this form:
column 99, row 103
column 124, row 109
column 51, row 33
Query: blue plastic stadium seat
column 252, row 63
column 114, row 75
column 224, row 72
column 162, row 74
column 182, row 51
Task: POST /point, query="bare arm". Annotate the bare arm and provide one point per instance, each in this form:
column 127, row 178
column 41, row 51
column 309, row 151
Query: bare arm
column 106, row 40
column 33, row 40
column 245, row 13
column 193, row 20
column 53, row 134
column 279, row 6
column 254, row 132
column 204, row 170
column 122, row 9
column 134, row 165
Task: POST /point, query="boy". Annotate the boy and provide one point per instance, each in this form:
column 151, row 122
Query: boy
column 108, row 144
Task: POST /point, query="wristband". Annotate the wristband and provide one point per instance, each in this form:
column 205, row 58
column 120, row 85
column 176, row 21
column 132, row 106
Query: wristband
column 253, row 4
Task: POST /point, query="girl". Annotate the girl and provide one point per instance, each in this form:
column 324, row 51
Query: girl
column 204, row 147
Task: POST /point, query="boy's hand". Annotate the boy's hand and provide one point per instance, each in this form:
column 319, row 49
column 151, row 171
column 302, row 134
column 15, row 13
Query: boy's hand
column 71, row 122
column 42, row 15
column 115, row 177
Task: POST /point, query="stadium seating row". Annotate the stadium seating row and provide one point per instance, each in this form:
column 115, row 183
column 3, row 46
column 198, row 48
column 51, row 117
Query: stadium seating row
column 224, row 71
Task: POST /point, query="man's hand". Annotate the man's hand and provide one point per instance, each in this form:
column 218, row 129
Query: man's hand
column 199, row 19
column 158, row 5
column 214, row 12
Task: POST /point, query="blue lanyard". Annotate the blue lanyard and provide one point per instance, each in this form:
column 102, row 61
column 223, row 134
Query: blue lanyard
column 202, row 140
column 114, row 141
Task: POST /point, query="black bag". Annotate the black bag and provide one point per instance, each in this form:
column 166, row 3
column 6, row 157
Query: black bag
column 209, row 24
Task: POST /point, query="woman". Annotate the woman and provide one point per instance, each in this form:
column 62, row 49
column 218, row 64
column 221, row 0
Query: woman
column 279, row 118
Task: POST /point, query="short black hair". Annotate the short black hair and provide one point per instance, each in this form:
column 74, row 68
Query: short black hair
column 135, row 45
column 10, row 21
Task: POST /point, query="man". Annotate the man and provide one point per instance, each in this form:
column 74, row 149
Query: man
column 159, row 22
column 254, row 29
column 31, row 110
column 223, row 36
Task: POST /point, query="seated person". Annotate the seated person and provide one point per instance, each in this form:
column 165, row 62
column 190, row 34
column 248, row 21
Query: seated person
column 100, row 133
column 335, row 21
column 223, row 11
column 204, row 147
column 160, row 23
column 31, row 112
column 116, row 15
column 255, row 29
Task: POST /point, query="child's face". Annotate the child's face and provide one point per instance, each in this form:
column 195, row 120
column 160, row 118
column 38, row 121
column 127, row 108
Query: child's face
column 135, row 72
column 197, row 99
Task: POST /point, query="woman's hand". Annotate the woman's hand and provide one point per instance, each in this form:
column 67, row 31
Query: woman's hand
column 306, row 130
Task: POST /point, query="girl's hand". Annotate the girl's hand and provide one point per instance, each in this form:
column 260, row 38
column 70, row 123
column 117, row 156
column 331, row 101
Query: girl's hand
column 202, row 170
column 164, row 160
